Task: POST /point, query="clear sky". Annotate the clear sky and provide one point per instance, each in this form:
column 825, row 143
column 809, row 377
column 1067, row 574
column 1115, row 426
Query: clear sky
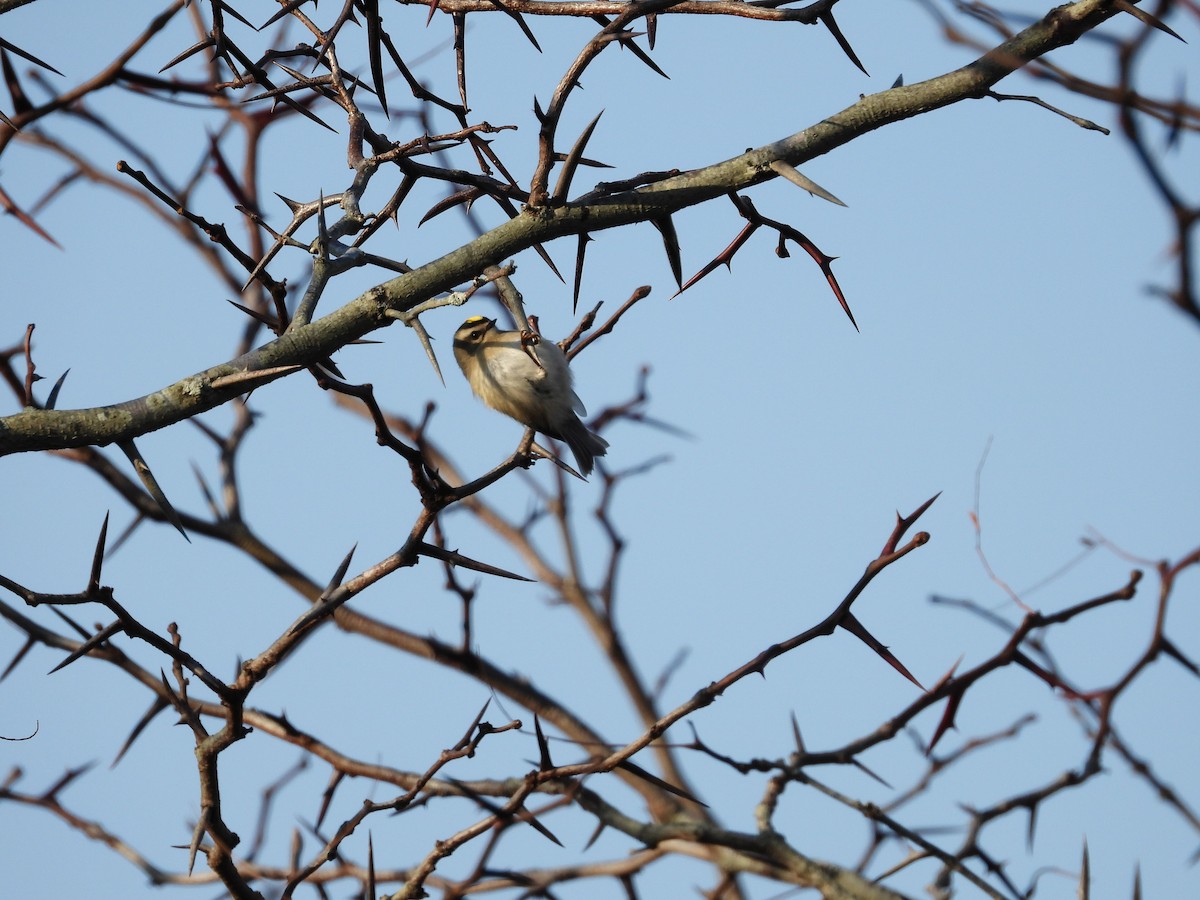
column 997, row 259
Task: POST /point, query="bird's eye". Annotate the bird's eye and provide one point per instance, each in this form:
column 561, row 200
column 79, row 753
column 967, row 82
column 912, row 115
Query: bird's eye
column 475, row 335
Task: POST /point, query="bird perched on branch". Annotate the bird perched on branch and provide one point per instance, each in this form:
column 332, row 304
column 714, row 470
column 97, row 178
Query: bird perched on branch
column 527, row 378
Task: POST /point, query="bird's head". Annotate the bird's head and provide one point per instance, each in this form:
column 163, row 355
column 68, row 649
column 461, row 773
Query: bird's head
column 472, row 333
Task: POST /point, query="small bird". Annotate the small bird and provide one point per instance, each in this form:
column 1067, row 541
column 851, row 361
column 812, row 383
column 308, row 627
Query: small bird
column 527, row 378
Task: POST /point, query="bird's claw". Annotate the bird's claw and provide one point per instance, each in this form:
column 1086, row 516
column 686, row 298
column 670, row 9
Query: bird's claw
column 529, row 341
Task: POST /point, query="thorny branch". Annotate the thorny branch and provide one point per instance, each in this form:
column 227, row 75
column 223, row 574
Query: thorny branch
column 601, row 209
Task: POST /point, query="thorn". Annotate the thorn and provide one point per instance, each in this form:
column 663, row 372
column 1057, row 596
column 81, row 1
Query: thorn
column 1085, row 874
column 11, row 48
column 370, row 865
column 203, row 44
column 829, row 22
column 541, row 452
column 322, row 227
column 947, row 720
column 253, row 377
column 800, row 180
column 156, row 707
column 666, row 227
column 530, row 819
column 595, row 835
column 851, row 624
column 342, row 568
column 423, row 337
column 375, row 59
column 30, row 643
column 658, row 782
column 98, row 558
column 796, row 734
column 89, row 645
column 863, row 768
column 151, row 484
column 1142, row 16
column 544, row 761
column 581, row 249
column 571, row 163
column 455, row 558
column 53, row 398
column 292, row 205
column 197, row 834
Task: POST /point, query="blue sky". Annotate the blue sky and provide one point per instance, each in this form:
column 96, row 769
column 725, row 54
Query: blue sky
column 996, row 258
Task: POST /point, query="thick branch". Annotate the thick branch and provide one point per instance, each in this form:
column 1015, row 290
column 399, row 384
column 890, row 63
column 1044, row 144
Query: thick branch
column 36, row 429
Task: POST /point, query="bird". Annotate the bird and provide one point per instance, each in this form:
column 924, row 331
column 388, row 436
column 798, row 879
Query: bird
column 526, row 378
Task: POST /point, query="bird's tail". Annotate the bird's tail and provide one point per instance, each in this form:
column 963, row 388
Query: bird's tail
column 585, row 444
